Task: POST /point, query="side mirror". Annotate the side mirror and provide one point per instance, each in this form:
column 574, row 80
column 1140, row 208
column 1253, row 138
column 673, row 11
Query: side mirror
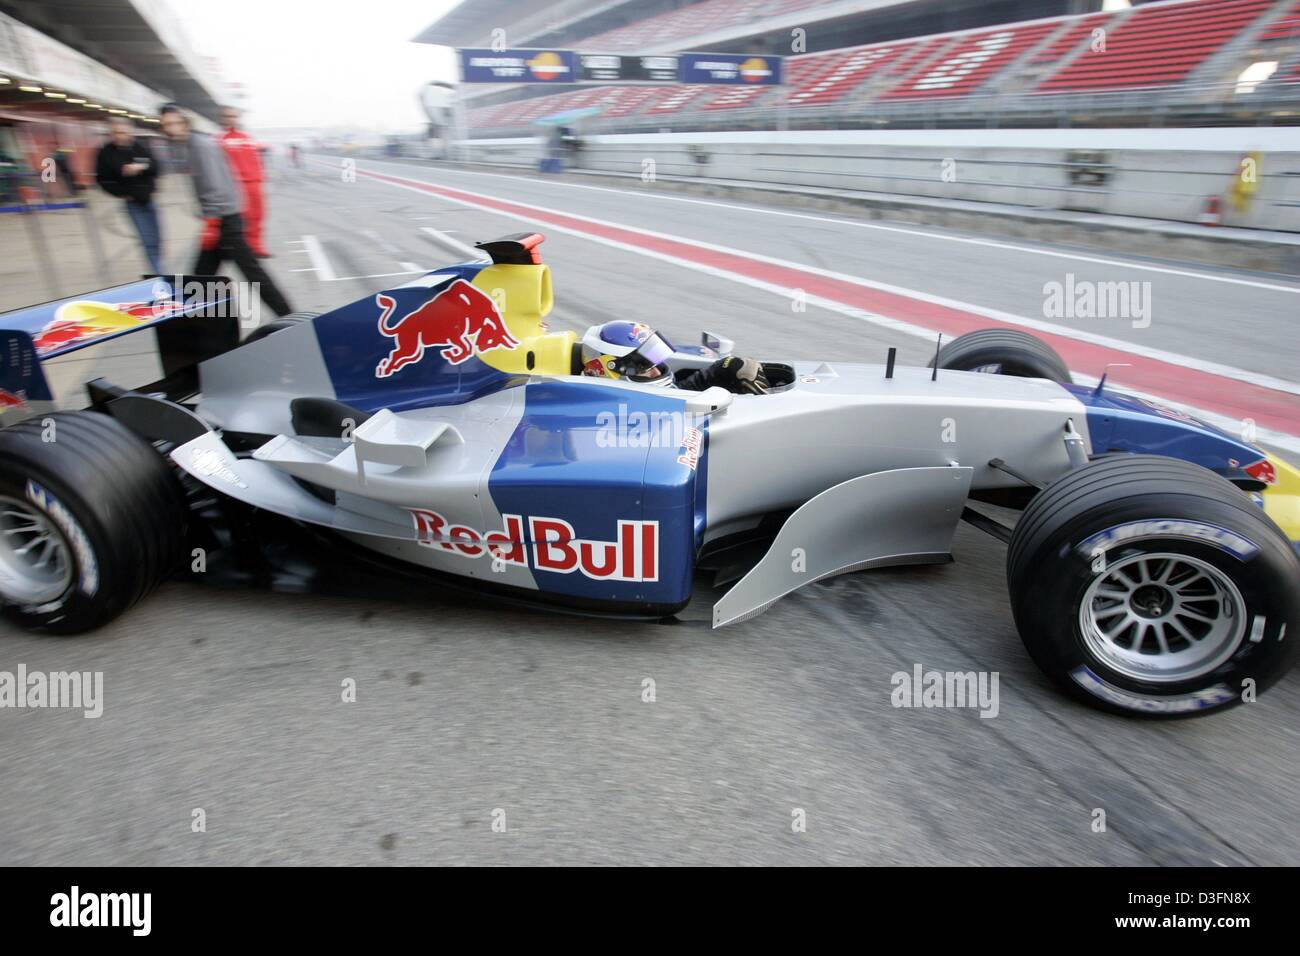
column 723, row 346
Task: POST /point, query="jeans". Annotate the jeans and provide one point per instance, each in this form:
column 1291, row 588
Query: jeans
column 145, row 219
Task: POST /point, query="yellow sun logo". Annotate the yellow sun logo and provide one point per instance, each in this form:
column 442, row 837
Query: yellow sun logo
column 547, row 66
column 755, row 70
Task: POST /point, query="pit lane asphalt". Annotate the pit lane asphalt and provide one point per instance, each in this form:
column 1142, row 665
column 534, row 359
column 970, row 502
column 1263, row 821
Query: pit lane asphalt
column 229, row 701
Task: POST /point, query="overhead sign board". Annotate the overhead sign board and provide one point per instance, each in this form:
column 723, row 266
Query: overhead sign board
column 738, row 68
column 563, row 67
column 619, row 68
column 518, row 66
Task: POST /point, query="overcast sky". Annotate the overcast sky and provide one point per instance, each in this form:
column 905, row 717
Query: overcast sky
column 323, row 63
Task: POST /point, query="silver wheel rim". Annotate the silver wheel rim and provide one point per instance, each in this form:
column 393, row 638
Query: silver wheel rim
column 35, row 566
column 1162, row 617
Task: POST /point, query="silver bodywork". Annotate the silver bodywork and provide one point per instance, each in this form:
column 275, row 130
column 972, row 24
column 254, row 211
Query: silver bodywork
column 771, row 452
column 841, row 530
column 875, row 470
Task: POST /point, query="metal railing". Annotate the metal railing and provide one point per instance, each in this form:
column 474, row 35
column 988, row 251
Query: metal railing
column 1219, row 103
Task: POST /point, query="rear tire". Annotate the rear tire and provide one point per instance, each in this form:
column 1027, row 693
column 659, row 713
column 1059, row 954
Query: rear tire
column 1004, row 352
column 91, row 520
column 1149, row 586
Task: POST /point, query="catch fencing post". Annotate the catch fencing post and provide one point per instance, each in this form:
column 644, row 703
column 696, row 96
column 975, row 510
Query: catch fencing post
column 91, row 225
column 45, row 262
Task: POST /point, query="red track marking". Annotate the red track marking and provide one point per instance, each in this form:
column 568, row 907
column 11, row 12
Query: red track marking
column 1269, row 408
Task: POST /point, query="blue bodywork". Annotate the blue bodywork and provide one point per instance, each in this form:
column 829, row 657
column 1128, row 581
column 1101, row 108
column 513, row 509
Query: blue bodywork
column 353, row 346
column 573, row 458
column 1125, row 423
column 20, row 371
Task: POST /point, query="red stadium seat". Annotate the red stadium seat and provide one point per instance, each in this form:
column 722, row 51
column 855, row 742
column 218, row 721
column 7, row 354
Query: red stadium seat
column 673, row 98
column 1069, row 38
column 827, row 77
column 921, row 53
column 693, row 20
column 625, row 100
column 734, row 97
column 972, row 60
column 1285, row 28
column 1157, row 45
column 776, row 8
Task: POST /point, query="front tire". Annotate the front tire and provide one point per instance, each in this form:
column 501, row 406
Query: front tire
column 91, row 520
column 1148, row 586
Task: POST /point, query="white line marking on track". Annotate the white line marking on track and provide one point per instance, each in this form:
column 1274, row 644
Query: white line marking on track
column 1120, row 345
column 442, row 237
column 321, row 262
column 990, row 243
column 387, row 246
column 376, row 275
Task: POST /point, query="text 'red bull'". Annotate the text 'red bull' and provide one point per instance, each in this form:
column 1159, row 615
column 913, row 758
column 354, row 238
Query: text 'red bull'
column 461, row 319
column 552, row 544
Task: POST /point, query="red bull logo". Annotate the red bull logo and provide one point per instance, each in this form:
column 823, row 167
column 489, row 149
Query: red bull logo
column 632, row 556
column 10, row 400
column 461, row 320
column 82, row 320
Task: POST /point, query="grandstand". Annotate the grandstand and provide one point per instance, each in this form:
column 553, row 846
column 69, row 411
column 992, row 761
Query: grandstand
column 1160, row 45
column 1174, row 62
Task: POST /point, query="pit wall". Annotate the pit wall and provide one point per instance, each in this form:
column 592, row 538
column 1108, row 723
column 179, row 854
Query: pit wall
column 1176, row 175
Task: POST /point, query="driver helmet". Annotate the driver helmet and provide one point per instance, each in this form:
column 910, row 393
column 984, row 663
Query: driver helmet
column 630, row 350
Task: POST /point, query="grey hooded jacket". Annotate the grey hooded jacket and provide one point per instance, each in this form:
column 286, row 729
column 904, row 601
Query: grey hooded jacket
column 204, row 159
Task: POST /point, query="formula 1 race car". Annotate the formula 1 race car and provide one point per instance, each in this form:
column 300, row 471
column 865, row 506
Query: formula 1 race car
column 439, row 431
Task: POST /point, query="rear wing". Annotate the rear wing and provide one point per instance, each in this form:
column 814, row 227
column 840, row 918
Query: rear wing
column 517, row 249
column 146, row 335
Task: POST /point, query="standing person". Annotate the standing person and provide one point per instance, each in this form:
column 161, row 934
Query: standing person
column 244, row 154
column 223, row 238
column 125, row 167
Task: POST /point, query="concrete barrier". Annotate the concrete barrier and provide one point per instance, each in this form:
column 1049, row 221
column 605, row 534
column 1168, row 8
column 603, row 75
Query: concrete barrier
column 1247, row 177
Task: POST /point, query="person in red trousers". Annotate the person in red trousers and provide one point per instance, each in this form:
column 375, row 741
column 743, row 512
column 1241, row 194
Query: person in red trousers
column 244, row 154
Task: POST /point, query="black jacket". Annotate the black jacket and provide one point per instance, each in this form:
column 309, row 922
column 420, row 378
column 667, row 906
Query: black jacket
column 108, row 170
